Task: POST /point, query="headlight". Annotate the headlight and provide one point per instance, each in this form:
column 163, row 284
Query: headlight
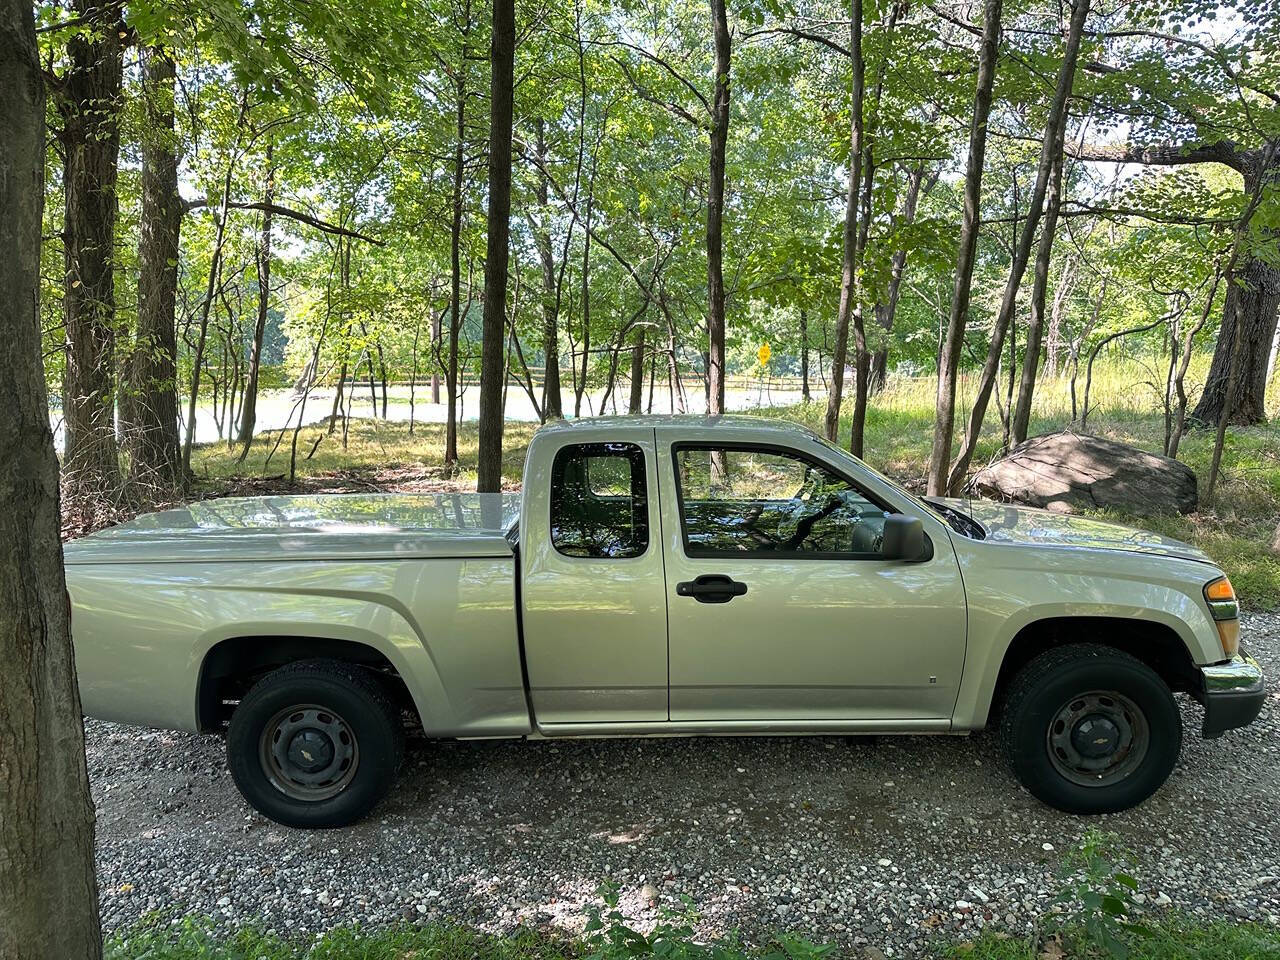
column 1225, row 612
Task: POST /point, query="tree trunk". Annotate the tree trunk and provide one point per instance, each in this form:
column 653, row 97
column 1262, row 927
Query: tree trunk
column 151, row 428
column 49, row 907
column 804, row 355
column 1179, row 413
column 715, row 209
column 249, row 411
column 1050, row 157
column 492, row 368
column 552, row 407
column 949, row 357
column 455, row 265
column 1021, row 419
column 848, row 270
column 886, row 311
column 90, row 105
column 1252, row 301
column 637, row 372
column 211, row 289
column 1062, row 293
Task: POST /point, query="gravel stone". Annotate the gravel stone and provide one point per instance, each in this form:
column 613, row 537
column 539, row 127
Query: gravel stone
column 762, row 834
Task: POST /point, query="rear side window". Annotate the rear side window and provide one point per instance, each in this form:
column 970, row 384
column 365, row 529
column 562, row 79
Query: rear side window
column 599, row 501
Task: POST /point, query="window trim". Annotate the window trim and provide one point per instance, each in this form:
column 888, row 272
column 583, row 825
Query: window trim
column 648, row 498
column 706, row 553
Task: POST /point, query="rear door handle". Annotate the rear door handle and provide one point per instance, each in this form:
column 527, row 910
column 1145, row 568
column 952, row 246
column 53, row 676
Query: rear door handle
column 711, row 588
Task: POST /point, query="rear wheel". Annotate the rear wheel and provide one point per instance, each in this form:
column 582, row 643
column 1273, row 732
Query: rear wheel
column 1090, row 729
column 315, row 744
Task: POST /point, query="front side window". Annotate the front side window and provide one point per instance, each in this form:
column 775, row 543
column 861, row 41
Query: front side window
column 599, row 501
column 746, row 501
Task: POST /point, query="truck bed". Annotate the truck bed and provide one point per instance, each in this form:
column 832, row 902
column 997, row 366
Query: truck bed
column 328, row 527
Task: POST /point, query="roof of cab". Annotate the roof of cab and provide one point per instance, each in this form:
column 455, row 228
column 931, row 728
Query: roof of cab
column 764, row 424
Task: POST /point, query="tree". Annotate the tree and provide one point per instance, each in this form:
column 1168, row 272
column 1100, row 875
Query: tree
column 492, row 368
column 1049, row 168
column 88, row 99
column 849, row 294
column 249, row 412
column 949, row 359
column 50, row 902
column 149, row 408
column 715, row 208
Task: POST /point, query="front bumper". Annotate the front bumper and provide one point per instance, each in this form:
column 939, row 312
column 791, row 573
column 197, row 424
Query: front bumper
column 1232, row 694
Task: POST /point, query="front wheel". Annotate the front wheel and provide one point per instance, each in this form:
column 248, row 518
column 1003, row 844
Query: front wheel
column 315, row 744
column 1090, row 729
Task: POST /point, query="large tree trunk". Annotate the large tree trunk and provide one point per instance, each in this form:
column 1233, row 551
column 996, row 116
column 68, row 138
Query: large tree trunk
column 249, row 410
column 715, row 209
column 848, row 271
column 1050, row 156
column 497, row 254
column 49, row 906
column 949, row 358
column 151, row 426
column 1252, row 300
column 90, row 105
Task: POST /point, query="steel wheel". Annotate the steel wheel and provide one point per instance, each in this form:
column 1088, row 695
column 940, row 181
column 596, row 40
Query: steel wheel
column 308, row 752
column 1098, row 738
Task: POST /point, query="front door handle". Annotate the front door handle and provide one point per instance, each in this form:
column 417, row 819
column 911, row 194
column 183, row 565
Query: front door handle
column 711, row 588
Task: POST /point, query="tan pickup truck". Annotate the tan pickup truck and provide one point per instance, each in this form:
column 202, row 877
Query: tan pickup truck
column 674, row 575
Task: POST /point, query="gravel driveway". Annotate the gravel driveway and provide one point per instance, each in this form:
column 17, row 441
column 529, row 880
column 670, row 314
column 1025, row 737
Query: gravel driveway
column 878, row 840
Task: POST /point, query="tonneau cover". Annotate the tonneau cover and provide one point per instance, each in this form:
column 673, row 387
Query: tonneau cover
column 321, row 527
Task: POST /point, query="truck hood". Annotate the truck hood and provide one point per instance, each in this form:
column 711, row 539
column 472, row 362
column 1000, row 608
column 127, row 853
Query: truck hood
column 323, row 527
column 1007, row 523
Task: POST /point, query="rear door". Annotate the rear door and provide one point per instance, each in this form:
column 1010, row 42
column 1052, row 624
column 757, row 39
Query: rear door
column 593, row 591
column 780, row 605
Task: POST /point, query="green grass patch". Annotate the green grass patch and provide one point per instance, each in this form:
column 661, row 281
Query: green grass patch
column 1175, row 938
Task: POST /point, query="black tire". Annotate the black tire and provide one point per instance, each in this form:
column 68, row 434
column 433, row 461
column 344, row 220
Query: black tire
column 336, row 715
column 1047, row 729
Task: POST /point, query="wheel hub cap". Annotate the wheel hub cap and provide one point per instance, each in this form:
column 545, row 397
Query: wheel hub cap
column 1098, row 738
column 1095, row 736
column 308, row 752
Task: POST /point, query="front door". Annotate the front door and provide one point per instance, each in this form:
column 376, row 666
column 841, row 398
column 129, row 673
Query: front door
column 780, row 607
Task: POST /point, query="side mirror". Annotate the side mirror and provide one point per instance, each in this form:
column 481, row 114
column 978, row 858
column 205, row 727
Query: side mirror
column 904, row 539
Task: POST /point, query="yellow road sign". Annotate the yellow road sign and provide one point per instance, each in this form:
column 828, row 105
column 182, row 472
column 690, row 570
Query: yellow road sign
column 763, row 354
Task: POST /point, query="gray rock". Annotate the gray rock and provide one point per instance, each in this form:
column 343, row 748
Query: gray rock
column 1068, row 471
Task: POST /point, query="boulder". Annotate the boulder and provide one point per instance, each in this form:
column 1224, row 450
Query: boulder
column 1069, row 471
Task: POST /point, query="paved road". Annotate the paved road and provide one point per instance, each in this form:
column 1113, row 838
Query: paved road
column 883, row 841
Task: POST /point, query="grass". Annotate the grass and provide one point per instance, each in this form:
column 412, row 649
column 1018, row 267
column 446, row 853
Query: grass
column 1237, row 529
column 1172, row 939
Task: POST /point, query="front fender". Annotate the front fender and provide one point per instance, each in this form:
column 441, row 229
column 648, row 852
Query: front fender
column 1009, row 588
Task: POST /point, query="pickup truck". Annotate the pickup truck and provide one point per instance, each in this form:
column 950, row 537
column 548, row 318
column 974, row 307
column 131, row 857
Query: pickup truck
column 658, row 576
